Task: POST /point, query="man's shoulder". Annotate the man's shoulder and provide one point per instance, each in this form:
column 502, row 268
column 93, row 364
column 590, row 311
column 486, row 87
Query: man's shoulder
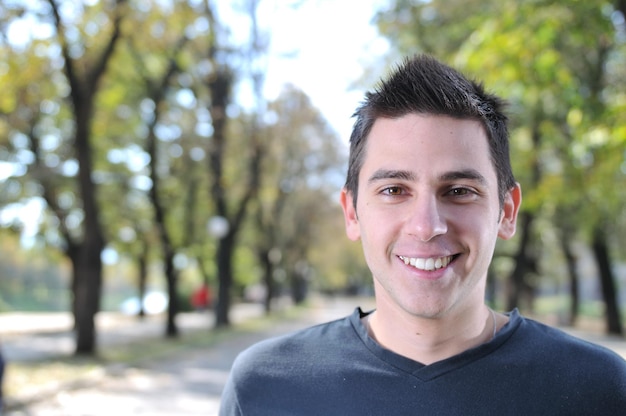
column 560, row 364
column 296, row 347
column 559, row 347
column 547, row 335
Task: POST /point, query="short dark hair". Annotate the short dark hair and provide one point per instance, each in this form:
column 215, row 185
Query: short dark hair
column 423, row 85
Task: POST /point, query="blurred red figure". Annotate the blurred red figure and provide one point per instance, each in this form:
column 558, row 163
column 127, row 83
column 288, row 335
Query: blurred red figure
column 201, row 298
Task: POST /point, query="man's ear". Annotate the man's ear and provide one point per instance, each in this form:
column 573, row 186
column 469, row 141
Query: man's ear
column 349, row 214
column 510, row 208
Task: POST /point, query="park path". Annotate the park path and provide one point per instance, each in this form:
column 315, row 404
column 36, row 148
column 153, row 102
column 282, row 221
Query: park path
column 27, row 336
column 186, row 383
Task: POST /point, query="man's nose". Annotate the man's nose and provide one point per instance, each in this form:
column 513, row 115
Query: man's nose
column 427, row 219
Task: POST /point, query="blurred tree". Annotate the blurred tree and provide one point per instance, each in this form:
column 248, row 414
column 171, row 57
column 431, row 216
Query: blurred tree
column 230, row 206
column 168, row 93
column 153, row 97
column 156, row 90
column 301, row 175
column 187, row 74
column 122, row 122
column 57, row 114
column 83, row 75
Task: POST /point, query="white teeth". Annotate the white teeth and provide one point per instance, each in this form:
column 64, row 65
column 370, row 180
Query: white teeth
column 420, row 263
column 428, row 264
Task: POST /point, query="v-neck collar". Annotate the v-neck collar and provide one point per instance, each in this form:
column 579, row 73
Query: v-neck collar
column 439, row 368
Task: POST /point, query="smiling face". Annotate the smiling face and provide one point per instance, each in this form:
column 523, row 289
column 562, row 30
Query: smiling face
column 428, row 214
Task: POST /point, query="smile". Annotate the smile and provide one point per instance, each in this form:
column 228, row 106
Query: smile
column 428, row 264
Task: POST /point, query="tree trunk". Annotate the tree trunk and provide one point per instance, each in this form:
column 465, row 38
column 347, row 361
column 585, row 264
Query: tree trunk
column 88, row 265
column 167, row 250
column 225, row 279
column 607, row 281
column 299, row 288
column 143, row 278
column 570, row 260
column 268, row 278
column 490, row 289
column 88, row 277
column 517, row 278
column 300, row 281
column 220, row 86
column 524, row 261
column 171, row 275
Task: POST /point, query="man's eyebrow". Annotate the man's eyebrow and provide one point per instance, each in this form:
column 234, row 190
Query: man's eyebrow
column 470, row 174
column 467, row 174
column 391, row 174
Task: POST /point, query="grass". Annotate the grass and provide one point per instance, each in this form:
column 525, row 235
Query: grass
column 35, row 380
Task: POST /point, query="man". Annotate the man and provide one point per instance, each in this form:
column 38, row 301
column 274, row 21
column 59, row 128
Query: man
column 429, row 190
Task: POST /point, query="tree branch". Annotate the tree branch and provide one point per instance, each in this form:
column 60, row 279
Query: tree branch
column 68, row 68
column 96, row 72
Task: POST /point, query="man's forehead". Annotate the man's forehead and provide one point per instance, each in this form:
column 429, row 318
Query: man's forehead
column 400, row 140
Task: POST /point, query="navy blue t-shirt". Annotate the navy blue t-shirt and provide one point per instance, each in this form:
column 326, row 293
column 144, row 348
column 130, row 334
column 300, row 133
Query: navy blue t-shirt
column 337, row 369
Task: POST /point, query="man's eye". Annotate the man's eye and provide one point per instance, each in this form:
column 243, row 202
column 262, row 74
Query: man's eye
column 460, row 191
column 392, row 191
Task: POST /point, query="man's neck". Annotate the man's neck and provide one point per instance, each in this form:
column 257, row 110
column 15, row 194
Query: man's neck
column 428, row 340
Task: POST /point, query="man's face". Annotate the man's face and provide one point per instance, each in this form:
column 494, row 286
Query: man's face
column 428, row 214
